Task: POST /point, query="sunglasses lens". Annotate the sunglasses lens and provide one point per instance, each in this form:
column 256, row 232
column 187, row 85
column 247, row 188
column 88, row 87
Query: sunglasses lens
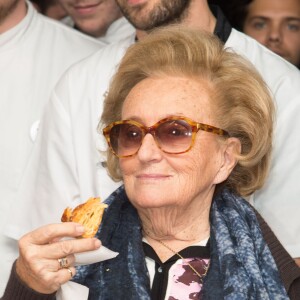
column 125, row 139
column 174, row 136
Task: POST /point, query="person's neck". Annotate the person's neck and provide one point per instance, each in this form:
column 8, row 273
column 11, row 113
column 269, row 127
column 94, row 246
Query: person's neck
column 199, row 16
column 98, row 32
column 184, row 224
column 176, row 227
column 15, row 17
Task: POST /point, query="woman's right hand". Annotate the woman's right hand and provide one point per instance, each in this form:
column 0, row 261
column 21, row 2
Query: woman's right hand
column 38, row 265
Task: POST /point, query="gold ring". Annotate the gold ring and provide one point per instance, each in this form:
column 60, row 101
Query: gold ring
column 63, row 262
column 70, row 271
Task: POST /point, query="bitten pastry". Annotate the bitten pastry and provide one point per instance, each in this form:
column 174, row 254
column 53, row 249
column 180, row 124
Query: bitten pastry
column 89, row 214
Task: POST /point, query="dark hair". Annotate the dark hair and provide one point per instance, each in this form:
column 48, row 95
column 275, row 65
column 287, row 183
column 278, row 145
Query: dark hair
column 43, row 5
column 235, row 11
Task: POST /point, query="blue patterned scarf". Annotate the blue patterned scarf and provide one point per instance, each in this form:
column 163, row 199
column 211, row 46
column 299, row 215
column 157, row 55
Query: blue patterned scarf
column 241, row 267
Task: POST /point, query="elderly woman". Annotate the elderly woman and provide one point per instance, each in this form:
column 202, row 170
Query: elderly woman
column 189, row 127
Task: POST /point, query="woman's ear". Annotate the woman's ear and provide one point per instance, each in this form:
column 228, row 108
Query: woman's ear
column 230, row 150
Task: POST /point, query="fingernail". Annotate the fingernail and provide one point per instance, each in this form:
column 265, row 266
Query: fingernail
column 97, row 243
column 80, row 229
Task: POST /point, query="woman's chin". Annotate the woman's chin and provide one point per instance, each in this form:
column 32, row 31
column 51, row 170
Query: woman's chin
column 150, row 202
column 150, row 196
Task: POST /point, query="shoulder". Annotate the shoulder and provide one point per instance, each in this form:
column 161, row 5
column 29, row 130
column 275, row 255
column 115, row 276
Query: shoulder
column 118, row 30
column 289, row 271
column 98, row 66
column 275, row 70
column 52, row 29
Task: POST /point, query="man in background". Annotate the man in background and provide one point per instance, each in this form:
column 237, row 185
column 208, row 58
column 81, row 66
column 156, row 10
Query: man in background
column 100, row 19
column 34, row 53
column 273, row 23
column 276, row 24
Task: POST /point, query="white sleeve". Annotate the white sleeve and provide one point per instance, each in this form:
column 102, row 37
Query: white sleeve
column 50, row 180
column 279, row 199
column 65, row 167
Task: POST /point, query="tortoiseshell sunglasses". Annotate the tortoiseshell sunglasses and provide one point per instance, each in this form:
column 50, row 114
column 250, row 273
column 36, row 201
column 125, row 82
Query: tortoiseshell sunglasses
column 174, row 135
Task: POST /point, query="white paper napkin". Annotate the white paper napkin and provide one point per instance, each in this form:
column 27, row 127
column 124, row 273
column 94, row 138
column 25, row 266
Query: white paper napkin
column 74, row 291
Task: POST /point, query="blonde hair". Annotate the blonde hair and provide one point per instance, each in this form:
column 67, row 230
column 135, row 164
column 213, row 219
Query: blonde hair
column 241, row 99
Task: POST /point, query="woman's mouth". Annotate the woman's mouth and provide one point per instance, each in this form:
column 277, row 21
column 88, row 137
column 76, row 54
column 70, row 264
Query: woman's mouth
column 152, row 176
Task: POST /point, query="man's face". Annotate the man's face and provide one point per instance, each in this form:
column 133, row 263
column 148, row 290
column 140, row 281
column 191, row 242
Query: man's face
column 276, row 24
column 6, row 8
column 148, row 14
column 92, row 17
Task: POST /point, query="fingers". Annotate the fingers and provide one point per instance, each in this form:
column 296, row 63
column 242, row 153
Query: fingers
column 53, row 246
column 64, row 248
column 71, row 271
column 63, row 276
column 46, row 261
column 65, row 262
column 44, row 280
column 52, row 232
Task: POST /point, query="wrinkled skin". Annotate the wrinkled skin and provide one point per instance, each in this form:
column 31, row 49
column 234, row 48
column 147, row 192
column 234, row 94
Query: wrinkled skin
column 40, row 250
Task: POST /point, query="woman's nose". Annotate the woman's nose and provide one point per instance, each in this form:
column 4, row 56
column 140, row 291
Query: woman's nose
column 149, row 149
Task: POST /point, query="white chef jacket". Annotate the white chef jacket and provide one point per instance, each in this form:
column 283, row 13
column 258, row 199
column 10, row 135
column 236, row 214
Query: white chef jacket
column 67, row 166
column 118, row 30
column 33, row 55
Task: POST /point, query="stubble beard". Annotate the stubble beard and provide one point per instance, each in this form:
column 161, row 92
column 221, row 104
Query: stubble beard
column 164, row 13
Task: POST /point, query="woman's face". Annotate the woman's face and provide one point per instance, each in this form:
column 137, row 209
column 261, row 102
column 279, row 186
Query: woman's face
column 153, row 178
